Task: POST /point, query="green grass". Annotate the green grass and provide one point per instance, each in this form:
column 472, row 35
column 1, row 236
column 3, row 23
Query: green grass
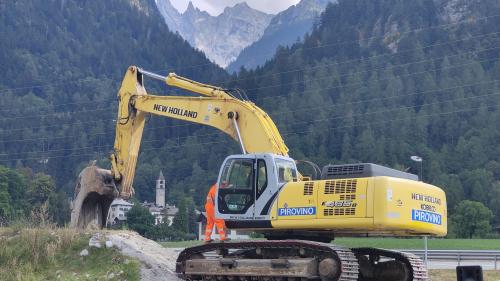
column 418, row 243
column 53, row 254
column 393, row 243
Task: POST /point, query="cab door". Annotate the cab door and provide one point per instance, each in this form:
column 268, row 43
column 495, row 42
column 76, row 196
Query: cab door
column 236, row 192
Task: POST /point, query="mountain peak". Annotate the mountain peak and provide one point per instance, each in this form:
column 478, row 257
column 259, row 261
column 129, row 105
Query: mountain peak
column 284, row 29
column 242, row 5
column 240, row 8
column 190, row 7
column 220, row 37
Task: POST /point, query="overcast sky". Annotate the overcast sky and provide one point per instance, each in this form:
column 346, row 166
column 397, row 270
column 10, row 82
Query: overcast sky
column 215, row 7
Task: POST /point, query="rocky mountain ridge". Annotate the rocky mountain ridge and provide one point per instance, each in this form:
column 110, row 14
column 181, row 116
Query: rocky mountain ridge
column 220, row 37
column 285, row 28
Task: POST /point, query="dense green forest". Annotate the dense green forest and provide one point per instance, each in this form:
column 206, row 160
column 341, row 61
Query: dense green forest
column 31, row 197
column 374, row 81
column 63, row 62
column 378, row 81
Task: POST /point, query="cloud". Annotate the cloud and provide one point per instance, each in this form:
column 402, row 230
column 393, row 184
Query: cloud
column 215, row 7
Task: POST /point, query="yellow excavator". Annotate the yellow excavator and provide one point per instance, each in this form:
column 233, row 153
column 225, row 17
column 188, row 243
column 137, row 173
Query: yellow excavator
column 262, row 190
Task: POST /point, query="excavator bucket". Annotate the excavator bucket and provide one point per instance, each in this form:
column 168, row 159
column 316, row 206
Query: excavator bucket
column 94, row 191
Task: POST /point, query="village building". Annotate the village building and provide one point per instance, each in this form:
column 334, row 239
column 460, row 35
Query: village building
column 118, row 211
column 162, row 212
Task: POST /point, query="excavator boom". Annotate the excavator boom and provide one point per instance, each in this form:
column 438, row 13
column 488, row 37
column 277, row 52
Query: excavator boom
column 241, row 119
column 218, row 109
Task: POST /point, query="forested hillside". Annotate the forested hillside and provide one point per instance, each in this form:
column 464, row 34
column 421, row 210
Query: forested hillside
column 379, row 81
column 375, row 81
column 62, row 64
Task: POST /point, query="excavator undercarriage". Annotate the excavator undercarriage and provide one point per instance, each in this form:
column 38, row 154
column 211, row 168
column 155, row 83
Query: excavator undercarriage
column 296, row 260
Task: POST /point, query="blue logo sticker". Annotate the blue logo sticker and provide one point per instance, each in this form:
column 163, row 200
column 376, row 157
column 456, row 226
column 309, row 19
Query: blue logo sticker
column 298, row 211
column 428, row 217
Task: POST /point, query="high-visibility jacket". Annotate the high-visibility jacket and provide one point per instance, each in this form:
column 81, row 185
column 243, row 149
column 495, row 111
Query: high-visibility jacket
column 210, row 203
column 211, row 220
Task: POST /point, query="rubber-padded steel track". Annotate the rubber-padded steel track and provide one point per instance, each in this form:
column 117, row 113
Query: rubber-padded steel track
column 348, row 262
column 413, row 262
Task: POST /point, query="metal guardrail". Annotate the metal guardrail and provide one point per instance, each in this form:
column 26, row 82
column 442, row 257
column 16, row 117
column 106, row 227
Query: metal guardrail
column 459, row 255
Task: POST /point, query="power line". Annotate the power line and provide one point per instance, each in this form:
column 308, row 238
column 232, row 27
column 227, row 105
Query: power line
column 318, row 79
column 361, row 83
column 91, row 154
column 382, row 36
column 393, row 120
column 102, row 146
column 289, row 133
column 386, row 79
column 4, row 90
column 275, row 73
column 383, row 98
column 330, row 107
column 57, row 105
column 394, row 109
column 294, row 123
column 305, row 48
column 60, row 113
column 365, row 59
column 349, row 84
column 324, row 77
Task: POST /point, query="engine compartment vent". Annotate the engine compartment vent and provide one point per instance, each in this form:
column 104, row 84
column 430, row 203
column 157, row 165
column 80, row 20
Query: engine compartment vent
column 339, row 211
column 308, row 188
column 362, row 170
column 348, row 197
column 340, row 186
column 345, row 169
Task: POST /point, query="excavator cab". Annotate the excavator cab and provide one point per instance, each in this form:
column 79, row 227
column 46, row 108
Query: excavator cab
column 248, row 184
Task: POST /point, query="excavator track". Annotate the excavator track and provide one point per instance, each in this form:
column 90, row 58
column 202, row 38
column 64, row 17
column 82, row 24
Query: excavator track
column 268, row 260
column 380, row 264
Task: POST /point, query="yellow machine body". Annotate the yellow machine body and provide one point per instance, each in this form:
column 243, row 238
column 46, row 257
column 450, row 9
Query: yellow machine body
column 374, row 206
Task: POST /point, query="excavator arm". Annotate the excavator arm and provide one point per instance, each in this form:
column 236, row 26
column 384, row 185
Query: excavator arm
column 242, row 120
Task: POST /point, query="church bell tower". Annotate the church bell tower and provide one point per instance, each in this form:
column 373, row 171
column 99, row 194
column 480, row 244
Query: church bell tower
column 160, row 190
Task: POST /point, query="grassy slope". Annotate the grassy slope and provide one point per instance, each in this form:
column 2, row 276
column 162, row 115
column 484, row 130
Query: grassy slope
column 414, row 243
column 394, row 243
column 51, row 254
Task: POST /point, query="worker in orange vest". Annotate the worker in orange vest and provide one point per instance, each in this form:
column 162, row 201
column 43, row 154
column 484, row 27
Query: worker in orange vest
column 211, row 220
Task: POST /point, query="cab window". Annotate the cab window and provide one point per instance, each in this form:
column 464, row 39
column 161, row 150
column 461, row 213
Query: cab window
column 236, row 193
column 286, row 171
column 261, row 177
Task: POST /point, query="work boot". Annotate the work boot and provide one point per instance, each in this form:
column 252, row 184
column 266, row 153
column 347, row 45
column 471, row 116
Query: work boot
column 209, row 241
column 226, row 240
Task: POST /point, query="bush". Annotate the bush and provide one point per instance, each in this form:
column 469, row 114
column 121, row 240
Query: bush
column 471, row 219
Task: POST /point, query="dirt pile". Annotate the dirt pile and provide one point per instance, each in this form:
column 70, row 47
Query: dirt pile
column 158, row 263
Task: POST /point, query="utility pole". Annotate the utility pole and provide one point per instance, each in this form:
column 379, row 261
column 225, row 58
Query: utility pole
column 420, row 160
